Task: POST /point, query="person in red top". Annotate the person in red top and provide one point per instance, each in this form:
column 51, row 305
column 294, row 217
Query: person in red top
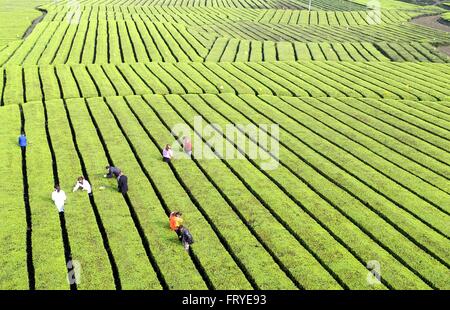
column 187, row 145
column 175, row 221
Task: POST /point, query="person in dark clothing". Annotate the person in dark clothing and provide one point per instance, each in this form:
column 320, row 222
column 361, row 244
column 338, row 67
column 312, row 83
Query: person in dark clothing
column 122, row 182
column 186, row 237
column 23, row 141
column 112, row 171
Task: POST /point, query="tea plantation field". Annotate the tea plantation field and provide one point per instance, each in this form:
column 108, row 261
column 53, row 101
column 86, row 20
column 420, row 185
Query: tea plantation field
column 359, row 198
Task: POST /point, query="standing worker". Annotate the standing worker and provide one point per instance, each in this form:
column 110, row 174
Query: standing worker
column 59, row 197
column 122, row 182
column 112, row 171
column 23, row 141
column 84, row 185
column 167, row 153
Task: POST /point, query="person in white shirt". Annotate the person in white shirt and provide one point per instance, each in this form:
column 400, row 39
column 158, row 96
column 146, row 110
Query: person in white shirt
column 167, row 153
column 59, row 197
column 84, row 185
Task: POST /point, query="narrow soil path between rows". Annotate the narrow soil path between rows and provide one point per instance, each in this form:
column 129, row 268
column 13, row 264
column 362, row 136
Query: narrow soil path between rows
column 436, row 22
column 35, row 22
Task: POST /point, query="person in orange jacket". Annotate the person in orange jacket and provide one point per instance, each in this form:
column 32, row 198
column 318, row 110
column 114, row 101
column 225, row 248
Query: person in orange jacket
column 175, row 221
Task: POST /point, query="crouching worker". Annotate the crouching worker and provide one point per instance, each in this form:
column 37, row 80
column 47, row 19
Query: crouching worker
column 186, row 237
column 112, row 172
column 175, row 222
column 167, row 153
column 59, row 197
column 122, row 183
column 84, row 185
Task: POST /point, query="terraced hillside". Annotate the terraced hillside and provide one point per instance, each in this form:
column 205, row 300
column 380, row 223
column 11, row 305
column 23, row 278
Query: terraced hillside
column 362, row 101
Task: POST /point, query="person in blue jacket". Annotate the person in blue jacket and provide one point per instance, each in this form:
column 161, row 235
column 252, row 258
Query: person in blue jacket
column 122, row 182
column 23, row 141
column 112, row 172
column 186, row 237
